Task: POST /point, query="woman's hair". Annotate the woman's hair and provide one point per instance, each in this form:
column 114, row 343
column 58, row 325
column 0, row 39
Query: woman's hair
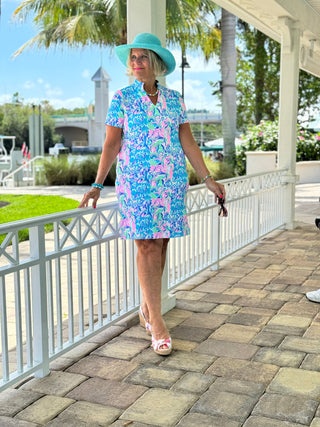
column 156, row 63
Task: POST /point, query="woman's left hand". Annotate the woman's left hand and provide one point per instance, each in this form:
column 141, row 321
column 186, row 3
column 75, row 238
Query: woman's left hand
column 217, row 188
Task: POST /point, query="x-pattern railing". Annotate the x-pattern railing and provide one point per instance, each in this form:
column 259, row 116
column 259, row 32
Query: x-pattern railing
column 65, row 286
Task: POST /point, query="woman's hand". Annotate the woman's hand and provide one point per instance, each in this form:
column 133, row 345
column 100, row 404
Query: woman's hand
column 217, row 188
column 93, row 193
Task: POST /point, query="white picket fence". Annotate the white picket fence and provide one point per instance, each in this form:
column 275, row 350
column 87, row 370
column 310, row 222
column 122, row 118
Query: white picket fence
column 59, row 288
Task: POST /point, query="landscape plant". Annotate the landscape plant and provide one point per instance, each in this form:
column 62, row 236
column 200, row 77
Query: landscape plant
column 264, row 137
column 61, row 171
column 218, row 170
column 88, row 171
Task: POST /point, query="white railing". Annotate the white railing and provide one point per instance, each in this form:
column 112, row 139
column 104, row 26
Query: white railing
column 24, row 175
column 59, row 288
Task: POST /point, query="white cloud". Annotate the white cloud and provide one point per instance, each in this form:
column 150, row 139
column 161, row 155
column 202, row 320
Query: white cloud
column 69, row 103
column 196, row 94
column 40, row 81
column 197, row 62
column 5, row 98
column 86, row 74
column 28, row 84
column 53, row 92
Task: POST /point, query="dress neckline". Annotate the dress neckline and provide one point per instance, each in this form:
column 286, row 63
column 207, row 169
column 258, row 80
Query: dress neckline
column 144, row 94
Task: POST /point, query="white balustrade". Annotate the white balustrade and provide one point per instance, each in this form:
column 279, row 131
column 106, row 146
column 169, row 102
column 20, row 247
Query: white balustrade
column 59, row 288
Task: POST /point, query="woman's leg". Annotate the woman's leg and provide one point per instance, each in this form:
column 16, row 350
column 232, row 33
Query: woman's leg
column 150, row 262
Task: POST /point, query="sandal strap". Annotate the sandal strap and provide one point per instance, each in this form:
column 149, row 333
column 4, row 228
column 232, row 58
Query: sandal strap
column 157, row 344
column 146, row 324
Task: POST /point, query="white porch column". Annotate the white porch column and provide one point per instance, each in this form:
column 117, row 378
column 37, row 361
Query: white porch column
column 147, row 16
column 288, row 108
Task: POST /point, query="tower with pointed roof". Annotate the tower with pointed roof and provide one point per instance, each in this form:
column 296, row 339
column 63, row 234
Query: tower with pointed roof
column 101, row 81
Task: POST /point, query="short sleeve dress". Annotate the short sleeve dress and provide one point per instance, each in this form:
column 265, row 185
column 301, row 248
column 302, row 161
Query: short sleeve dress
column 152, row 180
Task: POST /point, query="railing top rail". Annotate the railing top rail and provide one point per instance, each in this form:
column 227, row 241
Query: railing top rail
column 45, row 219
column 243, row 177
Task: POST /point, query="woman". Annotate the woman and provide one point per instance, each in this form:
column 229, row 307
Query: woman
column 148, row 130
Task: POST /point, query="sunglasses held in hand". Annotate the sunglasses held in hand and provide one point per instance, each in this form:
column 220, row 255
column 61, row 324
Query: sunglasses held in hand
column 223, row 210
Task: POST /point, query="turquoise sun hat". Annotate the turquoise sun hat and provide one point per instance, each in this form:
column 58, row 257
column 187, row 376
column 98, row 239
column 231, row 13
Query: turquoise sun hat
column 151, row 42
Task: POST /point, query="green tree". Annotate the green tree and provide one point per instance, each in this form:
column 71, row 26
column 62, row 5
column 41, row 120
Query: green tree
column 103, row 22
column 258, row 77
column 14, row 120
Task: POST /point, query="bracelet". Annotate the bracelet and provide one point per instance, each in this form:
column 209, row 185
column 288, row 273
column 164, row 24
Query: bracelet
column 205, row 178
column 96, row 185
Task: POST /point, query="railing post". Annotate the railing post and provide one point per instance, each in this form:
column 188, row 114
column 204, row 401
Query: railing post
column 39, row 300
column 168, row 301
column 256, row 218
column 215, row 239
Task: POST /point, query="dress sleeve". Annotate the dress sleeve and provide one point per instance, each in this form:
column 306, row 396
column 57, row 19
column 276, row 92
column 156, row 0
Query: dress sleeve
column 183, row 114
column 115, row 116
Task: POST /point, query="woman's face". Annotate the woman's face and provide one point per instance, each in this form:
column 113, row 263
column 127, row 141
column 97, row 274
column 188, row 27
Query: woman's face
column 140, row 64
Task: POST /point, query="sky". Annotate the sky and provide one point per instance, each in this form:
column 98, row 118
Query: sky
column 62, row 75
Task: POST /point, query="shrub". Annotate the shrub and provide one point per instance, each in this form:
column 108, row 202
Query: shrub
column 264, row 137
column 88, row 171
column 219, row 170
column 59, row 171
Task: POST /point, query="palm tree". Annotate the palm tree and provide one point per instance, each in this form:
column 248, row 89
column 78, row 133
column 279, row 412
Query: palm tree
column 228, row 60
column 103, row 22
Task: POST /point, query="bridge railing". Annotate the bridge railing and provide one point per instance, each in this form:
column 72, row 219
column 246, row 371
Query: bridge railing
column 58, row 289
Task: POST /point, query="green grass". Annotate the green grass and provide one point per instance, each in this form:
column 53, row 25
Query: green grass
column 26, row 206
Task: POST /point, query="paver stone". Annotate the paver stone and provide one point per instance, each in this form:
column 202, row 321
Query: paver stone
column 297, row 382
column 103, row 367
column 231, row 385
column 44, row 409
column 89, row 413
column 231, row 405
column 227, row 349
column 156, row 377
column 194, row 382
column 160, row 407
column 57, row 383
column 308, row 345
column 234, row 333
column 14, row 422
column 289, row 408
column 122, row 348
column 243, row 370
column 254, row 421
column 107, row 392
column 13, row 401
column 203, row 420
column 279, row 357
column 188, row 361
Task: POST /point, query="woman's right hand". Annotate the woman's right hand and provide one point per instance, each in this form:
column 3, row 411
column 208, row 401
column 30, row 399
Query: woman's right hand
column 93, row 193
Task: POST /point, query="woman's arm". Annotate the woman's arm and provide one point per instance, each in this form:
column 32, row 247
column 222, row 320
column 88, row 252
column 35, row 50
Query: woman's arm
column 111, row 148
column 194, row 155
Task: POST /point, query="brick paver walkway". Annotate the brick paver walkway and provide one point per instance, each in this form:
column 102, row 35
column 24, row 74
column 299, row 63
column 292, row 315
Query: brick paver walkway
column 246, row 352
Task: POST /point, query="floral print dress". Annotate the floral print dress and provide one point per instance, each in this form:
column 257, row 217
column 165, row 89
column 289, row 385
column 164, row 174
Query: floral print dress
column 152, row 181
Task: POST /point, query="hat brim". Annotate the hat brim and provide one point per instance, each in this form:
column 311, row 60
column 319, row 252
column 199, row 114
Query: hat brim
column 123, row 51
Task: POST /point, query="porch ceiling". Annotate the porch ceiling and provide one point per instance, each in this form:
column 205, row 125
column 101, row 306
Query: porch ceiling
column 265, row 14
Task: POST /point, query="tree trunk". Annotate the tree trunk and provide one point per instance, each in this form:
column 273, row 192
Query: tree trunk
column 259, row 71
column 228, row 75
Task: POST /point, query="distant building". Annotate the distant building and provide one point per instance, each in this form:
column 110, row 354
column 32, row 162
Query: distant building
column 87, row 130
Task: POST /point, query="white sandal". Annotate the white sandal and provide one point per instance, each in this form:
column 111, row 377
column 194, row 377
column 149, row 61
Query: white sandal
column 143, row 322
column 162, row 346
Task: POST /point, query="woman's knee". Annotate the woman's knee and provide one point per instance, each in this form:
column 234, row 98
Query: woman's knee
column 147, row 246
